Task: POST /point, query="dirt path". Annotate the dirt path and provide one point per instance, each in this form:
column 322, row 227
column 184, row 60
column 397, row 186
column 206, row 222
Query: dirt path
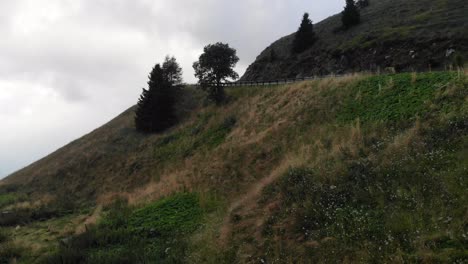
column 92, row 219
column 248, row 201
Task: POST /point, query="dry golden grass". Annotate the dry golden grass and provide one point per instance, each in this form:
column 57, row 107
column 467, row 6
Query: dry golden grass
column 278, row 128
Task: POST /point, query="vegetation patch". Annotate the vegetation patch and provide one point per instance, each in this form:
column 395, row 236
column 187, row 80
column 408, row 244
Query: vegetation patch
column 155, row 233
column 178, row 214
column 381, row 205
column 8, row 199
column 185, row 142
column 393, row 97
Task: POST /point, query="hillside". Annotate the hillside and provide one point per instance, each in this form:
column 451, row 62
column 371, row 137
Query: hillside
column 357, row 169
column 406, row 35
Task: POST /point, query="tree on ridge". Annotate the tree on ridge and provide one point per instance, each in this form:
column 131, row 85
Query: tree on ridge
column 214, row 67
column 350, row 15
column 155, row 109
column 305, row 35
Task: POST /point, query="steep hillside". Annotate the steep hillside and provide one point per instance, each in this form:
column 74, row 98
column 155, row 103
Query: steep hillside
column 403, row 34
column 358, row 169
column 113, row 158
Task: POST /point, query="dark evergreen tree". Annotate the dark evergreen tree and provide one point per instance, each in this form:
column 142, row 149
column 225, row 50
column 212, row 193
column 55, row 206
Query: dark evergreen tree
column 350, row 15
column 362, row 4
column 155, row 109
column 305, row 35
column 142, row 113
column 214, row 67
column 273, row 55
column 172, row 71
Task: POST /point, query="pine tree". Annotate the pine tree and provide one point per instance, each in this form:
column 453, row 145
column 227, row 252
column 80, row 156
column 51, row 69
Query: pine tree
column 142, row 112
column 305, row 35
column 350, row 15
column 155, row 109
column 362, row 4
column 172, row 71
column 273, row 55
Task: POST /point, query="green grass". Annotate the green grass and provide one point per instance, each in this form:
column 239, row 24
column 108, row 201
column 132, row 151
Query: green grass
column 155, row 233
column 390, row 98
column 7, row 199
column 386, row 200
column 184, row 143
column 178, row 214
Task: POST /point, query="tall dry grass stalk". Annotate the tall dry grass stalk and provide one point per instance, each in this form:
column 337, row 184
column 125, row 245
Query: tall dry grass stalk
column 414, row 77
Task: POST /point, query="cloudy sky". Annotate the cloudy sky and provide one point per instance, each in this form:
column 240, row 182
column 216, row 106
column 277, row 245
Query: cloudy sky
column 59, row 59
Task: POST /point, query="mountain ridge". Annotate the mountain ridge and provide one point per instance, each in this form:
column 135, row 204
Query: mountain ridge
column 402, row 35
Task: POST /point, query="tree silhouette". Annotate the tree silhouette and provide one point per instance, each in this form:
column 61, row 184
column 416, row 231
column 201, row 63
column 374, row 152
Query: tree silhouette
column 362, row 3
column 155, row 109
column 172, row 71
column 350, row 15
column 215, row 66
column 305, row 35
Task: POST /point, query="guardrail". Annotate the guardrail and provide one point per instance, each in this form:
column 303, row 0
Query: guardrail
column 295, row 80
column 279, row 81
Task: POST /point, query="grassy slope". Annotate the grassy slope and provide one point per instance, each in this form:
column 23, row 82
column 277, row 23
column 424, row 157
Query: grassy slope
column 370, row 167
column 389, row 31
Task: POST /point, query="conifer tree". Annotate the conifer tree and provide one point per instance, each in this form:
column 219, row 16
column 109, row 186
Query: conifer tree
column 305, row 35
column 350, row 15
column 142, row 113
column 155, row 109
column 362, row 4
column 172, row 71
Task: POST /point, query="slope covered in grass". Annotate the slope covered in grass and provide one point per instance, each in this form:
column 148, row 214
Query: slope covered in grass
column 406, row 35
column 356, row 169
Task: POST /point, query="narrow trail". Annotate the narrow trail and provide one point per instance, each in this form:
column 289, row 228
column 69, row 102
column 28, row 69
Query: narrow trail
column 92, row 219
column 248, row 201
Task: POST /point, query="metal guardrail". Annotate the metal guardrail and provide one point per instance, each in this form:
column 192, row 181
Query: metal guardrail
column 390, row 70
column 279, row 81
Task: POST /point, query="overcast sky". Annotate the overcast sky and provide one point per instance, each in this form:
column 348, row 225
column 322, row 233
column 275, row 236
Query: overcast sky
column 69, row 66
